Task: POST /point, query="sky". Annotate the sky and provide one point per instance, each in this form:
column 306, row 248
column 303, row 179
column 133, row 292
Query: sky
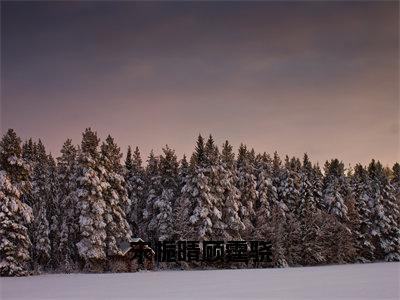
column 295, row 77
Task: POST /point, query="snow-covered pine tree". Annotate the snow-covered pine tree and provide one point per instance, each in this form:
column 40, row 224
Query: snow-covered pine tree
column 54, row 212
column 216, row 176
column 247, row 186
column 183, row 172
column 128, row 160
column 41, row 199
column 252, row 157
column 277, row 174
column 28, row 156
column 211, row 151
column 289, row 189
column 277, row 238
column 362, row 225
column 284, row 229
column 11, row 161
column 28, row 151
column 198, row 192
column 289, row 200
column 309, row 217
column 15, row 215
column 286, row 239
column 385, row 212
column 14, row 238
column 336, row 199
column 265, row 190
column 89, row 196
column 182, row 207
column 41, row 241
column 307, row 189
column 135, row 179
column 161, row 223
column 278, row 215
column 128, row 165
column 395, row 181
column 316, row 179
column 115, row 197
column 231, row 195
column 335, row 189
column 153, row 191
column 228, row 157
column 66, row 169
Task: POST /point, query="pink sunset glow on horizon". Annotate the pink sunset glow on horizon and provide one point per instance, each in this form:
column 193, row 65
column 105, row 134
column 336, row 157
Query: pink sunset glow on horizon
column 315, row 77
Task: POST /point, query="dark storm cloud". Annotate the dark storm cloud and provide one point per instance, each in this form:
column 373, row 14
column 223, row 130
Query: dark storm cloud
column 320, row 77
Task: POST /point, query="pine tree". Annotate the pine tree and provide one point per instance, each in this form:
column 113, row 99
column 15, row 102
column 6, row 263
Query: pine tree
column 197, row 192
column 182, row 207
column 335, row 189
column 28, row 151
column 385, row 212
column 289, row 189
column 228, row 157
column 395, row 181
column 89, row 195
column 307, row 189
column 310, row 216
column 154, row 190
column 337, row 200
column 115, row 197
column 54, row 212
column 396, row 177
column 247, row 186
column 135, row 179
column 15, row 216
column 278, row 216
column 161, row 207
column 41, row 199
column 66, row 169
column 231, row 195
column 41, row 239
column 183, row 172
column 316, row 179
column 265, row 190
column 17, row 169
column 217, row 183
column 14, row 238
column 128, row 160
column 277, row 174
column 362, row 225
column 29, row 157
column 285, row 238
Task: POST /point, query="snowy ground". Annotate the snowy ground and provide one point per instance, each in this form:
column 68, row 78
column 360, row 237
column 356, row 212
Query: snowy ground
column 368, row 281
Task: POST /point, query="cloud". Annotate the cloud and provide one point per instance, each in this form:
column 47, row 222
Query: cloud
column 295, row 77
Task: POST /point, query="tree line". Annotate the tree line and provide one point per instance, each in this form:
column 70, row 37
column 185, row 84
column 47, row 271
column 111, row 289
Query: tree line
column 70, row 213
